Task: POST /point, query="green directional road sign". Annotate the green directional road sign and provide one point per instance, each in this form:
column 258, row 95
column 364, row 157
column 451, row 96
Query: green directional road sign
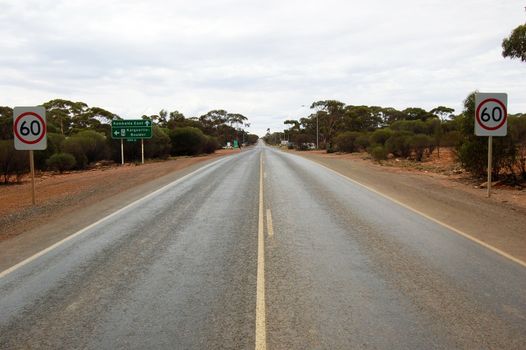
column 131, row 129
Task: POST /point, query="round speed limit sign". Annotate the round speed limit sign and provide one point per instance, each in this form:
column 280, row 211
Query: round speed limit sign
column 491, row 114
column 29, row 128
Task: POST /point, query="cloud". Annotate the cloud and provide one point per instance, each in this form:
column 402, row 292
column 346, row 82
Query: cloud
column 264, row 59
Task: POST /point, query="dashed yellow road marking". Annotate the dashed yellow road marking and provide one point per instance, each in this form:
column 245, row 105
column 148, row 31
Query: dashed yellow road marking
column 270, row 229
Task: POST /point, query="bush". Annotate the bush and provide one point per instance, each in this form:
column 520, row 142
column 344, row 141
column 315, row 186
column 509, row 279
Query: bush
column 378, row 153
column 346, row 142
column 93, row 144
column 12, row 162
column 211, row 145
column 61, row 162
column 419, row 143
column 451, row 139
column 187, row 141
column 362, row 141
column 380, row 136
column 54, row 142
column 301, row 141
column 75, row 147
column 159, row 145
column 399, row 144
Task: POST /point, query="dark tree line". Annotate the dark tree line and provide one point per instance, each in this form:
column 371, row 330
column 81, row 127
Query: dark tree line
column 79, row 135
column 409, row 133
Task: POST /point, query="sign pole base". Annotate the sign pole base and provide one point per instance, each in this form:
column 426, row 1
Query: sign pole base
column 490, row 163
column 32, row 169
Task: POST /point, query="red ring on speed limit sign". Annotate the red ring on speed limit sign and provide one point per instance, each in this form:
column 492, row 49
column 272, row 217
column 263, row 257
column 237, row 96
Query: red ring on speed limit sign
column 504, row 111
column 15, row 128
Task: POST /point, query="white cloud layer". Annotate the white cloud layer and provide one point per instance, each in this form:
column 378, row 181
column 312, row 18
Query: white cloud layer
column 264, row 59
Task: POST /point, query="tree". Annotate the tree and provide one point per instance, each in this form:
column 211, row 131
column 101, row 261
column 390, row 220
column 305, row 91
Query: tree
column 62, row 112
column 514, row 46
column 330, row 115
column 6, row 123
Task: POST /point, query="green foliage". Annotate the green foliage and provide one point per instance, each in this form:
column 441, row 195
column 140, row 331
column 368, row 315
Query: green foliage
column 451, row 139
column 187, row 141
column 61, row 162
column 211, row 145
column 301, row 141
column 54, row 142
column 378, row 153
column 12, row 162
column 75, row 147
column 399, row 144
column 6, row 123
column 413, row 126
column 517, row 127
column 419, row 143
column 362, row 142
column 346, row 142
column 159, row 145
column 380, row 136
column 515, row 45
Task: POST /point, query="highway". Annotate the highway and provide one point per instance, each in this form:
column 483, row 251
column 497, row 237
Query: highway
column 264, row 250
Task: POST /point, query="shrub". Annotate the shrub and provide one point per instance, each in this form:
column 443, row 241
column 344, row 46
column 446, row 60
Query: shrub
column 378, row 153
column 346, row 142
column 380, row 136
column 419, row 143
column 301, row 141
column 362, row 141
column 451, row 139
column 211, row 145
column 75, row 147
column 61, row 162
column 12, row 162
column 399, row 144
column 159, row 145
column 93, row 144
column 187, row 141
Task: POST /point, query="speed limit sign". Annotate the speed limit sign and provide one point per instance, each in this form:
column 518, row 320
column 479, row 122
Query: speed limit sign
column 491, row 114
column 29, row 128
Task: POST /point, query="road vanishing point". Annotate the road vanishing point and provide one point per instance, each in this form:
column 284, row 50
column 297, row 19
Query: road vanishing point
column 264, row 250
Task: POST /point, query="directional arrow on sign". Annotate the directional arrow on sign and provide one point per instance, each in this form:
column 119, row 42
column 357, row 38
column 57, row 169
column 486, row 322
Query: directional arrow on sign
column 116, row 132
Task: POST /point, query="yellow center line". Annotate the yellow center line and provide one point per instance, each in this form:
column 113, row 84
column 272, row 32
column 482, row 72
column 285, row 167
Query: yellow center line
column 261, row 329
column 270, row 229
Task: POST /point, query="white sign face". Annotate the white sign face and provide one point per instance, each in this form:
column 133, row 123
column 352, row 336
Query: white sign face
column 491, row 114
column 29, row 128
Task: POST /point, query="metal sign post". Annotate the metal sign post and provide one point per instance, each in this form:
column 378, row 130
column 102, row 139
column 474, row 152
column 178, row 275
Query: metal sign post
column 491, row 119
column 142, row 151
column 122, row 152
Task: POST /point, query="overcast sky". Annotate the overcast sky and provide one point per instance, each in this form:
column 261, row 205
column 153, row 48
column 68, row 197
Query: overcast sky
column 264, row 59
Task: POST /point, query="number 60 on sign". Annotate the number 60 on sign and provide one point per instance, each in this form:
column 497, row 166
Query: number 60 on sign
column 491, row 115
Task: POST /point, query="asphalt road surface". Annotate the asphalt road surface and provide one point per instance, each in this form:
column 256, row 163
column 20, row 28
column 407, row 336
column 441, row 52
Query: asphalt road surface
column 264, row 249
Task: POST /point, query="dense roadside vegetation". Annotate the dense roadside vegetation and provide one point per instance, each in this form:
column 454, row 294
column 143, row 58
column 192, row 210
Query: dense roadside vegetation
column 410, row 133
column 79, row 135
